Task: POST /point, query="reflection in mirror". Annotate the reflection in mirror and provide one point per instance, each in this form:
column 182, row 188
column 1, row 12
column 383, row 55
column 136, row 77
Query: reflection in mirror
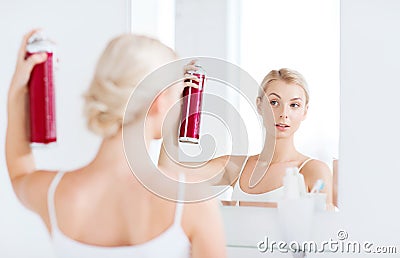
column 285, row 92
column 305, row 108
column 289, row 37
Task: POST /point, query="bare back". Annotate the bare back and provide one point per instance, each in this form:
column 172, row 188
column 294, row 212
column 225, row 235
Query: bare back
column 109, row 208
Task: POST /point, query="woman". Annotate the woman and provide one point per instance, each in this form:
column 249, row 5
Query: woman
column 284, row 92
column 101, row 209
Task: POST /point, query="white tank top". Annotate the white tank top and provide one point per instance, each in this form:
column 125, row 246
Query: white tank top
column 271, row 196
column 172, row 243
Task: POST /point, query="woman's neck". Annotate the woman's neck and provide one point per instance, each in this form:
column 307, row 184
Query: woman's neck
column 111, row 152
column 284, row 150
column 110, row 162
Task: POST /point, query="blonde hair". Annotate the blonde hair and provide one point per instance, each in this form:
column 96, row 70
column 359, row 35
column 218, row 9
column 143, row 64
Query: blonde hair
column 126, row 60
column 286, row 75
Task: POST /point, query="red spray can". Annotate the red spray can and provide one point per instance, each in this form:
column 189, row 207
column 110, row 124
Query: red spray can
column 41, row 93
column 191, row 109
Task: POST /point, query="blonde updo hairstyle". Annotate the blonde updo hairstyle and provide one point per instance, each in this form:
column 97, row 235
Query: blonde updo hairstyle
column 126, row 60
column 285, row 75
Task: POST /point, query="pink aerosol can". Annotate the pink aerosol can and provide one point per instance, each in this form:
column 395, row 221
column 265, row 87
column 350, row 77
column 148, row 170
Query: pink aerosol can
column 41, row 93
column 191, row 109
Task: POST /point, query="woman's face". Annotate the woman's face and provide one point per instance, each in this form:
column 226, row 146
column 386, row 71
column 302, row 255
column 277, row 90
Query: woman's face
column 288, row 104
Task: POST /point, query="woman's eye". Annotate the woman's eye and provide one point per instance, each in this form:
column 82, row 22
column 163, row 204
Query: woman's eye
column 273, row 103
column 295, row 105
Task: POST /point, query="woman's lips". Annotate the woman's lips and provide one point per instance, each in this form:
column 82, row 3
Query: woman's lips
column 282, row 127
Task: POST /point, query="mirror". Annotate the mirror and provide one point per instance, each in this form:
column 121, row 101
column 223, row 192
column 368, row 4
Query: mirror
column 266, row 35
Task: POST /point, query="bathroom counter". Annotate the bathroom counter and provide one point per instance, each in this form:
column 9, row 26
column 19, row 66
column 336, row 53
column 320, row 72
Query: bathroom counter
column 245, row 227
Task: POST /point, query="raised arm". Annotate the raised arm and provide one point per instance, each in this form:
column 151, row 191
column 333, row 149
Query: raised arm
column 19, row 157
column 222, row 170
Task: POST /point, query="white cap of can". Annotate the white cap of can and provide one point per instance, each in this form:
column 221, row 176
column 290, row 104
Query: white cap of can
column 39, row 42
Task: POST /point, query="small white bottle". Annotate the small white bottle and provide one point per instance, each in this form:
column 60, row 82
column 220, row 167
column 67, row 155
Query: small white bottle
column 295, row 211
column 293, row 183
column 302, row 184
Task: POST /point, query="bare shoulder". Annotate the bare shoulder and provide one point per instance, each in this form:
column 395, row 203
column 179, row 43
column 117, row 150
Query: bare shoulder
column 32, row 190
column 198, row 209
column 315, row 166
column 203, row 225
column 314, row 170
column 200, row 215
column 73, row 183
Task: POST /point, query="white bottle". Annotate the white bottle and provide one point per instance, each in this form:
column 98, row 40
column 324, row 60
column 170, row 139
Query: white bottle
column 295, row 211
column 293, row 183
column 302, row 184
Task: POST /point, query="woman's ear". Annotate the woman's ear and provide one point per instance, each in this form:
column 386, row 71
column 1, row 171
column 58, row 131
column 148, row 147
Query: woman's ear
column 258, row 102
column 156, row 106
column 305, row 112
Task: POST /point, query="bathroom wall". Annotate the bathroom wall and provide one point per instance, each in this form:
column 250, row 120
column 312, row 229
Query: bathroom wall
column 210, row 32
column 81, row 30
column 369, row 171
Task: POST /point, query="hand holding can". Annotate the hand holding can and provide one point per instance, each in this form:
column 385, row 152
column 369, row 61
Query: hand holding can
column 41, row 92
column 195, row 78
column 191, row 80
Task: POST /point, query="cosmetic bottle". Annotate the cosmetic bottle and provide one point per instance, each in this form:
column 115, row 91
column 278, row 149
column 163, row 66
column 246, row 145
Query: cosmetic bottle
column 293, row 183
column 41, row 93
column 189, row 131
